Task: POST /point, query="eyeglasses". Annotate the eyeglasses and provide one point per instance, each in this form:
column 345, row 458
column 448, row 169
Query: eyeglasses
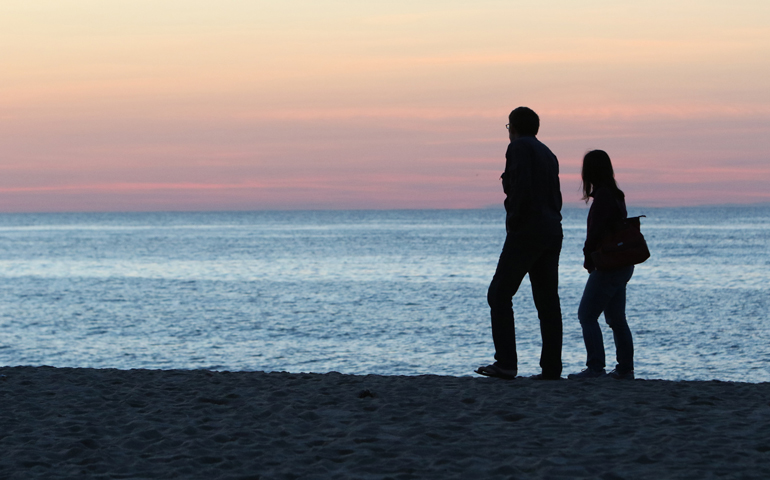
column 508, row 126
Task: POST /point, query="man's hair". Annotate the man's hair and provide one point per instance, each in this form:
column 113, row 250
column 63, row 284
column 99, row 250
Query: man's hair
column 525, row 121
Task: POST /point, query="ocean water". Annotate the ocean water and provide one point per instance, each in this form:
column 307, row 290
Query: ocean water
column 381, row 292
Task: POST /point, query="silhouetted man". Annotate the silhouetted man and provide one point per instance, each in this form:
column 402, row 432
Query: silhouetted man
column 532, row 246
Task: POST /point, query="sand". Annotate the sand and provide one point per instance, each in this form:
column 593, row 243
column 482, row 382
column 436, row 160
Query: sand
column 87, row 423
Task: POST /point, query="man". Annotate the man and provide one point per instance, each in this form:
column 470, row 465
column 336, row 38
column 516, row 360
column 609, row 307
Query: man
column 532, row 246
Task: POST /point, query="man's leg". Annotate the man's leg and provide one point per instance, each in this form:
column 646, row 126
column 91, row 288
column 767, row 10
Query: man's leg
column 514, row 263
column 544, row 276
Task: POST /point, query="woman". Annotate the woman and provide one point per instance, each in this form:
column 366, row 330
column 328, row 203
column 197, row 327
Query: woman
column 605, row 290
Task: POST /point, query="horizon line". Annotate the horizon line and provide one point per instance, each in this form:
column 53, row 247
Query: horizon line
column 569, row 206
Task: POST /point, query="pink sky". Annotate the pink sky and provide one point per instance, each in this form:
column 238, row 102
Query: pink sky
column 182, row 105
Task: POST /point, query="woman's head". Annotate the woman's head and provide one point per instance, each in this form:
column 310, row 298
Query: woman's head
column 597, row 171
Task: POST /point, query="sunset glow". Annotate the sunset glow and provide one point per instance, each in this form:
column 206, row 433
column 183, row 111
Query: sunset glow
column 249, row 105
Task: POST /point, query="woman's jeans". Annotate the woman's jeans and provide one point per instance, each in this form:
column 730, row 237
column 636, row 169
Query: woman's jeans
column 606, row 292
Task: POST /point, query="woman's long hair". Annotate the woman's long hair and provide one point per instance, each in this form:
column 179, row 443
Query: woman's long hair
column 597, row 171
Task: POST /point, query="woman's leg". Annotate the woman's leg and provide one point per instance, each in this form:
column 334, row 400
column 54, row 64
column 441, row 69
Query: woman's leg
column 591, row 306
column 615, row 315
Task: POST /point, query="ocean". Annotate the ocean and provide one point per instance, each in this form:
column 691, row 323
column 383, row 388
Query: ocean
column 364, row 292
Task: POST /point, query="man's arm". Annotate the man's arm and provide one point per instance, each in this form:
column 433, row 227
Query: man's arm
column 517, row 182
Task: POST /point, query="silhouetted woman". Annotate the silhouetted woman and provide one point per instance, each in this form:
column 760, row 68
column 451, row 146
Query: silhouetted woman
column 605, row 291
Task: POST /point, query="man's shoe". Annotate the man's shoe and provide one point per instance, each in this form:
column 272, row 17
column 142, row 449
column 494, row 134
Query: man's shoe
column 587, row 373
column 495, row 371
column 622, row 376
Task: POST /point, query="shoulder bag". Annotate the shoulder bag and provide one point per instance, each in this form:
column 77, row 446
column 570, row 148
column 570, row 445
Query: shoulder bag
column 623, row 246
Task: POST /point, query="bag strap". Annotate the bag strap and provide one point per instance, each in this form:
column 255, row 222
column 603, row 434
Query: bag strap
column 626, row 222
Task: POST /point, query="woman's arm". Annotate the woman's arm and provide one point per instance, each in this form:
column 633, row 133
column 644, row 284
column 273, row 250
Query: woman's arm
column 604, row 211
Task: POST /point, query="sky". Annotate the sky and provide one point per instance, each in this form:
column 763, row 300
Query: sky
column 186, row 105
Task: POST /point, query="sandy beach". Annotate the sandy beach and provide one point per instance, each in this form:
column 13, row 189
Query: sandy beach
column 88, row 423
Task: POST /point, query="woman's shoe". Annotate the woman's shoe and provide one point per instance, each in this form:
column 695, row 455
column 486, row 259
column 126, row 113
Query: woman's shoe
column 622, row 376
column 587, row 373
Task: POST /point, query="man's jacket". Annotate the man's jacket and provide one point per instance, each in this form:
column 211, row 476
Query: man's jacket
column 531, row 185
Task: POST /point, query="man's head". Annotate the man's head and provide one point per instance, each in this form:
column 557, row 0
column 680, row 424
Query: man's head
column 523, row 122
